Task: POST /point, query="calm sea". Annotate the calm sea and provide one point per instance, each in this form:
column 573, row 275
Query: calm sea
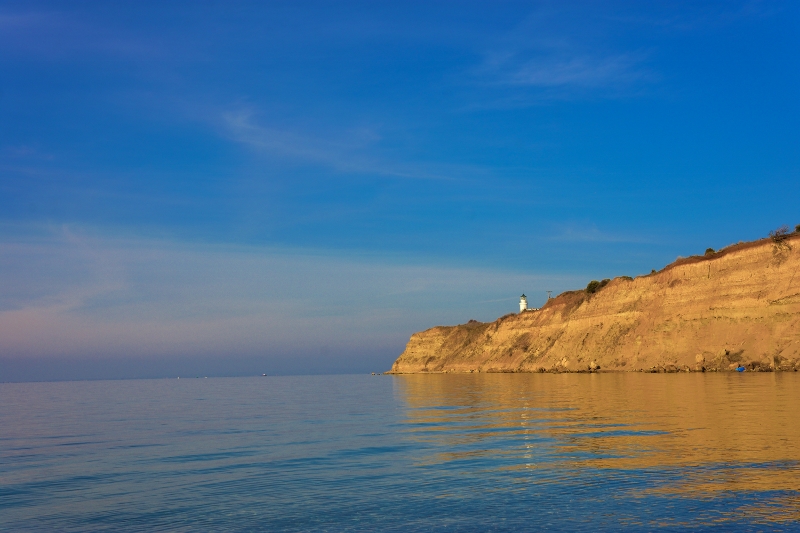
column 602, row 452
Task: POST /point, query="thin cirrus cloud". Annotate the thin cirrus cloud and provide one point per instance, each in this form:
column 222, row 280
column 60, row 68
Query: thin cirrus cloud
column 544, row 58
column 348, row 151
column 579, row 71
column 72, row 292
column 592, row 234
column 341, row 153
column 54, row 34
column 567, row 74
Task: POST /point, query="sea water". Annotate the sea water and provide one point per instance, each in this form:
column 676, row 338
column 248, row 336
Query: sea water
column 496, row 452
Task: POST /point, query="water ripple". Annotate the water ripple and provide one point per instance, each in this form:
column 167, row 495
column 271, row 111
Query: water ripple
column 404, row 453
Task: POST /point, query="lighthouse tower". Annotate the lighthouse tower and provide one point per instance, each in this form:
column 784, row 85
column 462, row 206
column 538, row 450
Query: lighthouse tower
column 523, row 303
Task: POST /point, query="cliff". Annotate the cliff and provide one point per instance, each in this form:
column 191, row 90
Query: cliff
column 738, row 306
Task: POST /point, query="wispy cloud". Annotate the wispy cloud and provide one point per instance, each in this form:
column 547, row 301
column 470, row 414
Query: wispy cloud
column 544, row 58
column 24, row 152
column 340, row 152
column 577, row 71
column 353, row 150
column 61, row 34
column 530, row 76
column 546, row 55
column 700, row 16
column 591, row 233
column 73, row 292
column 14, row 21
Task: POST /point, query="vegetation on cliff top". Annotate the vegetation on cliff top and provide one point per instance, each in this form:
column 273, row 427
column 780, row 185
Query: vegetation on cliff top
column 780, row 238
column 741, row 312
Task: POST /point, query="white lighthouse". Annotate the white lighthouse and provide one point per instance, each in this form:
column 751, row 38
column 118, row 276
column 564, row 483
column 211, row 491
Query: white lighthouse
column 523, row 303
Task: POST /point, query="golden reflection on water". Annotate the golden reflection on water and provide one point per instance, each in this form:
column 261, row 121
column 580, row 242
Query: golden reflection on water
column 716, row 432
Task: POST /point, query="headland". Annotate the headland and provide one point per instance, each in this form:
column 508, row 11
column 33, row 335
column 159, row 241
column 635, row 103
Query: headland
column 735, row 308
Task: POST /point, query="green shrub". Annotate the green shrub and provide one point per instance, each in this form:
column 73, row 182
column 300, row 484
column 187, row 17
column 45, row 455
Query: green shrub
column 797, row 228
column 709, row 251
column 595, row 285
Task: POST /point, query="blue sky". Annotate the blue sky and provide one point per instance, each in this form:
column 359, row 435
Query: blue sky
column 295, row 187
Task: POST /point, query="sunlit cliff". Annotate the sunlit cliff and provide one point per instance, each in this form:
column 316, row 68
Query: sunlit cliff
column 736, row 307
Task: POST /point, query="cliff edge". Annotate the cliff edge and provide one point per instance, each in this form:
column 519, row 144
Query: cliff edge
column 736, row 307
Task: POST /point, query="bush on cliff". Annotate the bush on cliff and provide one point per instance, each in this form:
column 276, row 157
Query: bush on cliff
column 780, row 234
column 709, row 251
column 780, row 242
column 595, row 285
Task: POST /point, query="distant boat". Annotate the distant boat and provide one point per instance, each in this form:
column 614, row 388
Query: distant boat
column 263, row 374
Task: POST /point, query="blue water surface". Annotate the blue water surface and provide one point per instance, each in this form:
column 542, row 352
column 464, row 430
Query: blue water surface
column 609, row 452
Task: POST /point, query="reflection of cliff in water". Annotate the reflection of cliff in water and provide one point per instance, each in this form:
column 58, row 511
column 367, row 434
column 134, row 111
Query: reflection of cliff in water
column 702, row 433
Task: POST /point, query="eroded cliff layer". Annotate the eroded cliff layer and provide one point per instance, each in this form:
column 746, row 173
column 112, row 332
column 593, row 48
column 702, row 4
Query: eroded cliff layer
column 739, row 306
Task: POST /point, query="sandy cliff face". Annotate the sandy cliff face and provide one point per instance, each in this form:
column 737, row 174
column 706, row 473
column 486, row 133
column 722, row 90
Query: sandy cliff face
column 738, row 306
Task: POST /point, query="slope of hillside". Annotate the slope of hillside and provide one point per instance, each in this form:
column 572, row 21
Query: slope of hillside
column 739, row 306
